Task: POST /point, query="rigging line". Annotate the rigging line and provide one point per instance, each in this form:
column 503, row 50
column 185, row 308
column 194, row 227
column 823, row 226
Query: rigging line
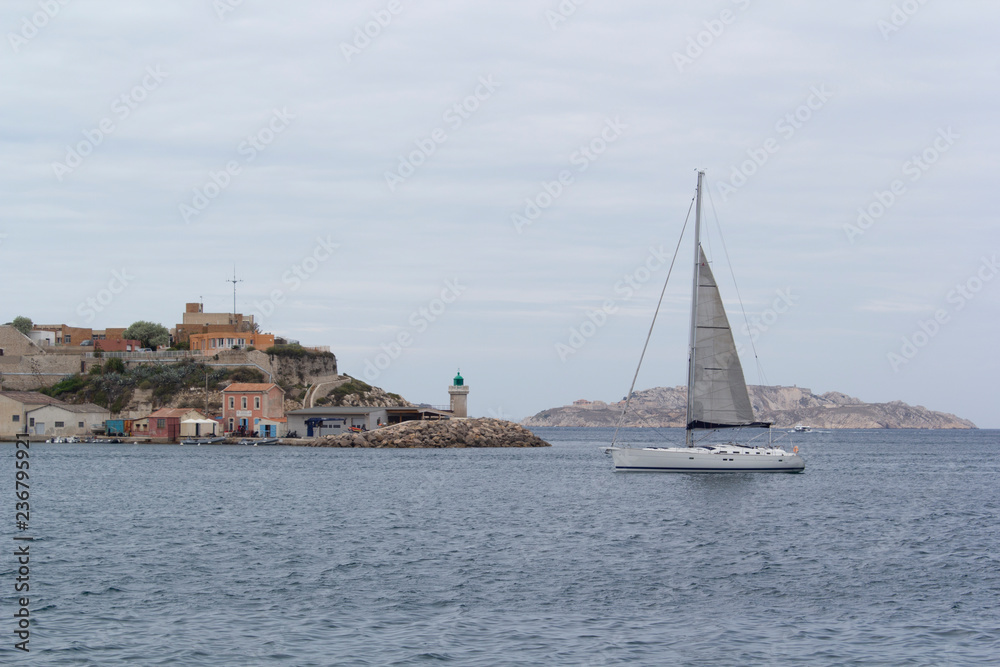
column 628, row 398
column 649, row 424
column 746, row 320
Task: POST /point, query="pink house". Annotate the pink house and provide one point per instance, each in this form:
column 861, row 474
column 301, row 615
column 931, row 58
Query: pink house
column 253, row 406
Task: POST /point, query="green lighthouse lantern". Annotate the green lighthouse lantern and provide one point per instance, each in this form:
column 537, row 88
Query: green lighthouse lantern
column 459, row 380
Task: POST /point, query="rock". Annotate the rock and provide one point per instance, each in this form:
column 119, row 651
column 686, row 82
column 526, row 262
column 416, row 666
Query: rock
column 784, row 406
column 482, row 432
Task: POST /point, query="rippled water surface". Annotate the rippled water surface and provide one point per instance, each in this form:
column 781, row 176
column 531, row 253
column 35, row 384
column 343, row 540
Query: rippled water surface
column 882, row 552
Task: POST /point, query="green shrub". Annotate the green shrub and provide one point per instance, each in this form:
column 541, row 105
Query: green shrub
column 114, row 365
column 68, row 385
column 99, row 398
column 352, row 386
column 295, row 351
column 245, row 374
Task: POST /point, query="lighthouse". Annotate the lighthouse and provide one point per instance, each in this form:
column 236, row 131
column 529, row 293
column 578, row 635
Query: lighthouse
column 459, row 393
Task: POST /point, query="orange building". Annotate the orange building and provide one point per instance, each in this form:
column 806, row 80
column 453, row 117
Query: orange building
column 213, row 343
column 65, row 335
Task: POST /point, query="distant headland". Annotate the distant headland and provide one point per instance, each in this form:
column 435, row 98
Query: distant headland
column 784, row 406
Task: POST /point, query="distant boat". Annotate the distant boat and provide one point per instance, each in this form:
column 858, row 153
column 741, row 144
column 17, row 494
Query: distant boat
column 717, row 396
column 802, row 428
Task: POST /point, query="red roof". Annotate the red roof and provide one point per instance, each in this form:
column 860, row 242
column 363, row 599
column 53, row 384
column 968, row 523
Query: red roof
column 250, row 386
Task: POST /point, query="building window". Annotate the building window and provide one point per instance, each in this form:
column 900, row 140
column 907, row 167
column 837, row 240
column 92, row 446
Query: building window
column 243, row 402
column 67, row 339
column 31, row 421
column 232, row 402
column 79, row 424
column 60, row 424
column 161, row 423
column 230, row 423
column 256, row 402
column 16, row 418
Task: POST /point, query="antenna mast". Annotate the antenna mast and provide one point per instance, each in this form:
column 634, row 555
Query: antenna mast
column 234, row 281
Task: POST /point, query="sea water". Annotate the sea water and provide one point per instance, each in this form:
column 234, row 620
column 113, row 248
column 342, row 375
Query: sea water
column 884, row 551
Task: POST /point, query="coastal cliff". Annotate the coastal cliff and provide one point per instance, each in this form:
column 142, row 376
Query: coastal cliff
column 784, row 406
column 482, row 432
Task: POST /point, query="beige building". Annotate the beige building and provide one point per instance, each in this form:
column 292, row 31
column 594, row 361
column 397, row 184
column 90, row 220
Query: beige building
column 196, row 321
column 14, row 409
column 60, row 420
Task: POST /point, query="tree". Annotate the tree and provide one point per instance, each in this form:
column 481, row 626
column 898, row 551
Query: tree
column 22, row 324
column 149, row 334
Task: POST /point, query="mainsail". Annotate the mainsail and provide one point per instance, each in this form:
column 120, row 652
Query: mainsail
column 717, row 390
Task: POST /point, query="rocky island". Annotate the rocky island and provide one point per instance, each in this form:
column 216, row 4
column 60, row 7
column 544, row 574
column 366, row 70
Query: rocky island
column 483, row 432
column 784, row 406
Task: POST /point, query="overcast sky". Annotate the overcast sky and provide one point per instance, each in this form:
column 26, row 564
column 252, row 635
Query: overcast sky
column 475, row 182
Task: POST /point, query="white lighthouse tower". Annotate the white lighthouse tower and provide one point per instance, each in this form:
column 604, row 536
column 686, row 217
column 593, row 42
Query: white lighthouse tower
column 459, row 392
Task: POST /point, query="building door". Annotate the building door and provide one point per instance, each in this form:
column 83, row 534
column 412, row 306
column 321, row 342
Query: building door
column 39, row 428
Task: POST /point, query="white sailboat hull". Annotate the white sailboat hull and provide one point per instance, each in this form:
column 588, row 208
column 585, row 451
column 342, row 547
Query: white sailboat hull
column 723, row 458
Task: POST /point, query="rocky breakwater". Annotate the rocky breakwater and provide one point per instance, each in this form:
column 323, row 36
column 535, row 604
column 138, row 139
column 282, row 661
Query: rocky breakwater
column 439, row 433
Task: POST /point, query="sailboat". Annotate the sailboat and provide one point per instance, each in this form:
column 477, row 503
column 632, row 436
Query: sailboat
column 717, row 397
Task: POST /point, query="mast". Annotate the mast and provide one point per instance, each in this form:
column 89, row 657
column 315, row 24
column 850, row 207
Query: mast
column 694, row 303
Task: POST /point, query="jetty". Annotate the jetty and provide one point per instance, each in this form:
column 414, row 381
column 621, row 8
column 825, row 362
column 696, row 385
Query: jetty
column 480, row 432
